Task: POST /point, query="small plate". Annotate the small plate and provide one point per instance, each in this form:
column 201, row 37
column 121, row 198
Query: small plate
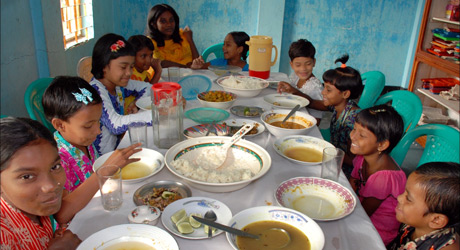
column 242, row 122
column 144, row 103
column 286, row 101
column 130, row 233
column 196, row 205
column 319, row 199
column 202, row 130
column 182, row 189
column 253, row 111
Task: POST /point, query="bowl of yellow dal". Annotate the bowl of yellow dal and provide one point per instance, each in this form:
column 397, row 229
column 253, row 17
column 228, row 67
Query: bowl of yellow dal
column 150, row 163
column 301, row 149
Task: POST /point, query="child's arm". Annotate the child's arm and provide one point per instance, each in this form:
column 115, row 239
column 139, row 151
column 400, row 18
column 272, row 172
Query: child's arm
column 189, row 36
column 64, row 240
column 156, row 65
column 370, row 205
column 353, row 183
column 314, row 104
column 75, row 201
column 199, row 63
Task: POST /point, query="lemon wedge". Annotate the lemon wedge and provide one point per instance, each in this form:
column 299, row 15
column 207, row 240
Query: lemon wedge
column 206, row 227
column 193, row 222
column 167, row 194
column 178, row 215
column 185, row 228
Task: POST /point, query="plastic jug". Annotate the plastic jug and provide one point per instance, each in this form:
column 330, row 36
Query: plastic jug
column 167, row 114
column 260, row 56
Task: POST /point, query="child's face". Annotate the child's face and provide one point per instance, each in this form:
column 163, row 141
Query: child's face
column 166, row 24
column 303, row 67
column 363, row 141
column 34, row 180
column 230, row 49
column 331, row 95
column 411, row 207
column 143, row 58
column 82, row 128
column 119, row 70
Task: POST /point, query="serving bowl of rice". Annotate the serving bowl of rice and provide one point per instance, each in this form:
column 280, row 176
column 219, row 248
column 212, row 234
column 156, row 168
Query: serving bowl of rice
column 245, row 86
column 248, row 162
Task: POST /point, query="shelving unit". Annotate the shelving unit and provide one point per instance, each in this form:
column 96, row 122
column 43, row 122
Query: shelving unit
column 427, row 65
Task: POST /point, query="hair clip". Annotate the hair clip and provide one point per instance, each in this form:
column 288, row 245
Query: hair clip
column 117, row 45
column 343, row 65
column 84, row 97
column 373, row 112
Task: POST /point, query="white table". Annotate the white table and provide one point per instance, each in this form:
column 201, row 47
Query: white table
column 352, row 232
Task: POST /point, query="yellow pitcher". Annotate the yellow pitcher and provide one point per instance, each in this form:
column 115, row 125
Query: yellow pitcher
column 260, row 55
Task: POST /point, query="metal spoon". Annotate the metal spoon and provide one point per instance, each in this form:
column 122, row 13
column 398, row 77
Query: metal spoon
column 293, row 110
column 210, row 215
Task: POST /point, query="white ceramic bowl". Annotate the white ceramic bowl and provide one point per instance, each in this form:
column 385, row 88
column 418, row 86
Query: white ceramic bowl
column 144, row 215
column 286, row 101
column 282, row 214
column 219, row 105
column 279, row 114
column 320, row 199
column 144, row 103
column 243, row 92
column 257, row 159
column 153, row 159
column 304, row 141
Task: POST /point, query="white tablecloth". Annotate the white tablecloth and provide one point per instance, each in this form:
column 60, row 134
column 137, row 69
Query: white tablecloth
column 352, row 232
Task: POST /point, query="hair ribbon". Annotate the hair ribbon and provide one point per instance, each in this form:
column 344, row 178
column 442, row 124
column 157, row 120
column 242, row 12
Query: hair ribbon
column 373, row 112
column 343, row 65
column 84, row 97
column 117, row 45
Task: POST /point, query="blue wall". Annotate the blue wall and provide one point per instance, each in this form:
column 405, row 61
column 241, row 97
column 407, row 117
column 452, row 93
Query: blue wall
column 378, row 35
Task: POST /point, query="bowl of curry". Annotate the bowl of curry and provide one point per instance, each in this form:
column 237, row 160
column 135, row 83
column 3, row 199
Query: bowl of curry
column 298, row 124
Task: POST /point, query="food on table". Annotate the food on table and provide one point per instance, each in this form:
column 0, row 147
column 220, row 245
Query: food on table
column 186, row 224
column 217, row 96
column 135, row 170
column 272, row 239
column 161, row 197
column 206, row 229
column 276, row 103
column 234, row 129
column 243, row 83
column 246, row 111
column 304, row 154
column 289, row 125
column 314, row 206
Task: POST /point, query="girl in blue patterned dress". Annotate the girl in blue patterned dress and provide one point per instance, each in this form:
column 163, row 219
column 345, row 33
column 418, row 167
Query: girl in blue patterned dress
column 112, row 67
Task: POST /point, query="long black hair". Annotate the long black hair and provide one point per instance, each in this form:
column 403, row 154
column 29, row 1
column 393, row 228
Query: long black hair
column 152, row 29
column 345, row 78
column 16, row 133
column 240, row 38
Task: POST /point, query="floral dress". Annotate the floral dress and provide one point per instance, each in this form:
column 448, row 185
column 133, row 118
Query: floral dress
column 432, row 241
column 19, row 232
column 78, row 167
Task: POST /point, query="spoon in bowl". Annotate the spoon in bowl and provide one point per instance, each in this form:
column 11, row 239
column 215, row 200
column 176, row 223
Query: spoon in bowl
column 211, row 216
column 293, row 110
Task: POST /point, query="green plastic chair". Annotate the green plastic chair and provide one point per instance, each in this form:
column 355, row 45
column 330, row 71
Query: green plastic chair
column 215, row 49
column 407, row 104
column 374, row 83
column 442, row 144
column 33, row 101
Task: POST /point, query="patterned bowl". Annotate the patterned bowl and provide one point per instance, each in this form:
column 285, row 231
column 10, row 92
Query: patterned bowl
column 320, row 199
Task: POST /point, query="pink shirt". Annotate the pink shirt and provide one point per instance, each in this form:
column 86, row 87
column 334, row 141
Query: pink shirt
column 384, row 185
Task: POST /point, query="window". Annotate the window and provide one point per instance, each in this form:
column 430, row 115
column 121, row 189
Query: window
column 77, row 21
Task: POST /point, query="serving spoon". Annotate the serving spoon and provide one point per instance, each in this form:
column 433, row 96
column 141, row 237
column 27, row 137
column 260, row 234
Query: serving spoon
column 293, row 110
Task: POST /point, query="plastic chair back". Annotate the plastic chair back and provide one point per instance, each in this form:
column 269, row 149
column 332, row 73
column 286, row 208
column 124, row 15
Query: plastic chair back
column 374, row 83
column 215, row 49
column 33, row 101
column 84, row 68
column 442, row 144
column 407, row 104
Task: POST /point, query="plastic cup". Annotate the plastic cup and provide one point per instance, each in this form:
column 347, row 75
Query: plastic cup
column 110, row 186
column 331, row 165
column 173, row 74
column 138, row 132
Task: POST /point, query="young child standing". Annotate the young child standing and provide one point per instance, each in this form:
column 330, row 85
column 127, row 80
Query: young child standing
column 235, row 52
column 112, row 67
column 302, row 54
column 74, row 108
column 376, row 178
column 32, row 181
column 146, row 68
column 341, row 86
column 174, row 46
column 429, row 208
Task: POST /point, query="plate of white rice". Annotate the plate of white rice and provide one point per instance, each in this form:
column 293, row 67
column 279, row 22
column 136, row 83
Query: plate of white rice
column 244, row 86
column 248, row 162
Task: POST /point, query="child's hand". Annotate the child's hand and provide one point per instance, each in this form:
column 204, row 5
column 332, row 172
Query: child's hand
column 64, row 240
column 156, row 64
column 285, row 87
column 120, row 157
column 188, row 34
column 132, row 108
column 197, row 63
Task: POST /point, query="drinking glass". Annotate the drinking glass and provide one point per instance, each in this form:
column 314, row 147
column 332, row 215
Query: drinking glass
column 331, row 165
column 138, row 132
column 110, row 185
